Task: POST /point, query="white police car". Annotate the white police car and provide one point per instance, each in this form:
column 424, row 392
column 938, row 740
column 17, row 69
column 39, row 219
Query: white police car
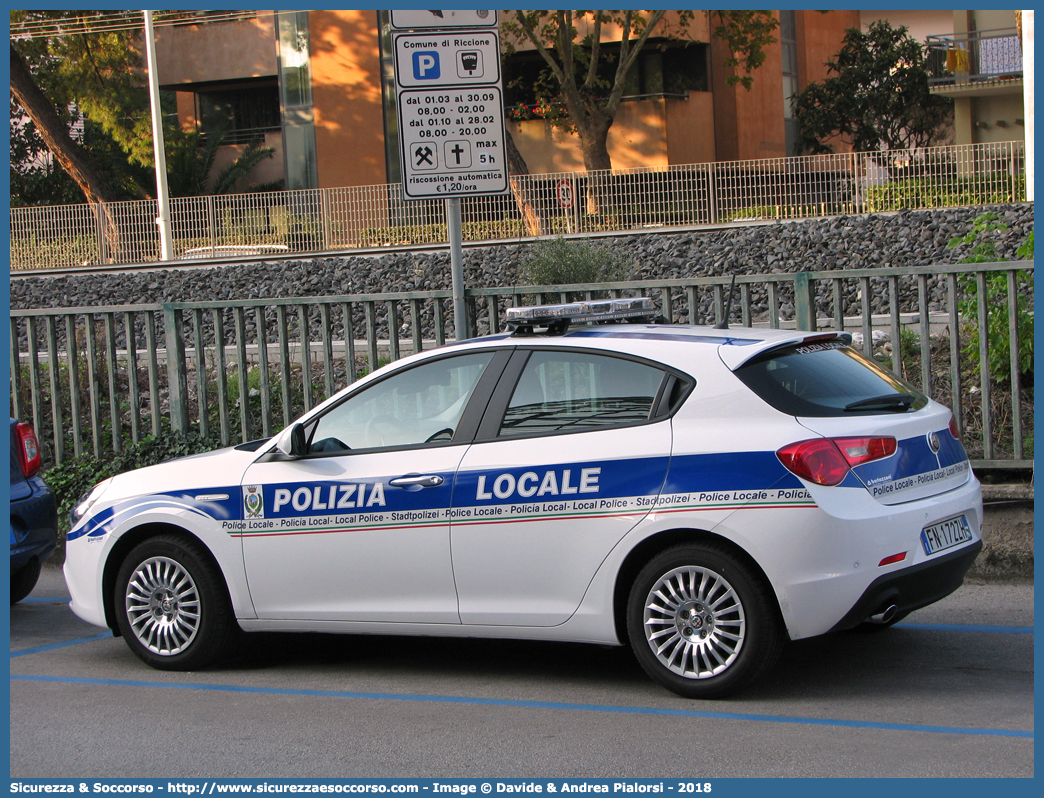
column 701, row 494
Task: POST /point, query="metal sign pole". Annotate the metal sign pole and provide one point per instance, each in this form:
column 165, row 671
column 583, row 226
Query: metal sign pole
column 455, row 234
column 162, row 201
column 452, row 141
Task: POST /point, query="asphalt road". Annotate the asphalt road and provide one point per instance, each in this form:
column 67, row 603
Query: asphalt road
column 947, row 693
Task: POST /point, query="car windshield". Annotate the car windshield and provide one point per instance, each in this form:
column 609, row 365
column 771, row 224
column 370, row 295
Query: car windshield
column 418, row 405
column 827, row 379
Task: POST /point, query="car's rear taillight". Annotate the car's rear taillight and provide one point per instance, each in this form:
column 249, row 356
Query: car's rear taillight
column 28, row 448
column 862, row 450
column 826, row 461
column 954, row 429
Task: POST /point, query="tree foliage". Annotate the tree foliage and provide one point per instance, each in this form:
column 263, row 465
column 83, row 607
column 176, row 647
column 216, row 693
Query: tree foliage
column 38, row 179
column 591, row 74
column 97, row 74
column 876, row 98
column 94, row 82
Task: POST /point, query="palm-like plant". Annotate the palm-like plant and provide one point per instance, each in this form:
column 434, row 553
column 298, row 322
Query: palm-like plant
column 190, row 161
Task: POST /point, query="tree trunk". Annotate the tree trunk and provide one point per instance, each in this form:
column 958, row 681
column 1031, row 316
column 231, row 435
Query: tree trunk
column 69, row 155
column 527, row 200
column 594, row 143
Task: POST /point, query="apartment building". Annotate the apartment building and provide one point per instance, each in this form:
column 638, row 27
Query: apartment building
column 318, row 87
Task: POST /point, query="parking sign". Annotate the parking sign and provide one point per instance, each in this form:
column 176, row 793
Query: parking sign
column 453, row 142
column 451, row 111
column 447, row 58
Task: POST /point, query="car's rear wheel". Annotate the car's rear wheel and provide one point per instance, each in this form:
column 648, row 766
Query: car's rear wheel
column 172, row 606
column 701, row 623
column 24, row 580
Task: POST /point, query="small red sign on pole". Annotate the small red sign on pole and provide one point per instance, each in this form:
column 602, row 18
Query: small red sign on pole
column 564, row 193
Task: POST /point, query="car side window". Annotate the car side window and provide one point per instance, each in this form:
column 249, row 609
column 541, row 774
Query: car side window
column 577, row 391
column 422, row 404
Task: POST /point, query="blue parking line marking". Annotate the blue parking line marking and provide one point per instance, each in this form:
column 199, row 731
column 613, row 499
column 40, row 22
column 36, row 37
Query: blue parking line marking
column 517, row 704
column 52, row 646
column 960, row 627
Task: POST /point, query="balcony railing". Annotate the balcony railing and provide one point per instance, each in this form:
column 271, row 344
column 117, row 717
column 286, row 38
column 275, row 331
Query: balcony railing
column 247, row 135
column 974, row 57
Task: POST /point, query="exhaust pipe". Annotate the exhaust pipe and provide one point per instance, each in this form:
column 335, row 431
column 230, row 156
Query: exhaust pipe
column 884, row 616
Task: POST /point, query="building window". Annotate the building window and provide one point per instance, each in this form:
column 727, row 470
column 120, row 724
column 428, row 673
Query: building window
column 244, row 112
column 660, row 68
column 685, row 69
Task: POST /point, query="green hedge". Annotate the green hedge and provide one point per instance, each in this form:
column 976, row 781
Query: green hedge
column 920, row 192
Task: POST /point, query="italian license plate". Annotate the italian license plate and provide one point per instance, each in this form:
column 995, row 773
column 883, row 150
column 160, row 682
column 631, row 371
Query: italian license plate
column 945, row 535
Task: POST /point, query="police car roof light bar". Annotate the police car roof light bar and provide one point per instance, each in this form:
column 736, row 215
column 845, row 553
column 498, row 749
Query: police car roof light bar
column 557, row 318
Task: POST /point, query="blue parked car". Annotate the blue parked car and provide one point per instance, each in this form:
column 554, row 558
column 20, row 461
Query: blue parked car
column 34, row 512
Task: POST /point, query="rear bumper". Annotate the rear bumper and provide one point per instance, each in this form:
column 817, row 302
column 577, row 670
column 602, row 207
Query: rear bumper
column 34, row 527
column 913, row 587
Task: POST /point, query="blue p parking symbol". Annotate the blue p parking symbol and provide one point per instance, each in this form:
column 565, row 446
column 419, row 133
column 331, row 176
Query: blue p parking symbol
column 426, row 65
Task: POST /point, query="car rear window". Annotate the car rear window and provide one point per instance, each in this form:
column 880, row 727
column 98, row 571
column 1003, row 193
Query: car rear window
column 827, row 378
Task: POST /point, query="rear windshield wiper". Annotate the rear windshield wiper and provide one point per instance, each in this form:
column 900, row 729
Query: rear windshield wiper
column 890, row 401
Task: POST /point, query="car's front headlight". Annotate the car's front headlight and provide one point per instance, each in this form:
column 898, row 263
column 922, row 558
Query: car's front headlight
column 87, row 500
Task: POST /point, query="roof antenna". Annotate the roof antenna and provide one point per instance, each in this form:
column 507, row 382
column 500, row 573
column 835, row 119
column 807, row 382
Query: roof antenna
column 724, row 323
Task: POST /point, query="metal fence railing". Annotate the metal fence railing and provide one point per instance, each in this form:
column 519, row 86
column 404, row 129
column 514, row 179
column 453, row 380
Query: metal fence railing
column 318, row 220
column 94, row 379
column 974, row 57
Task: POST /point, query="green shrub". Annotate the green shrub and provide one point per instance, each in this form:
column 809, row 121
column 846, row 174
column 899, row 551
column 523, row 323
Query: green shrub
column 35, row 252
column 921, row 192
column 558, row 261
column 984, row 250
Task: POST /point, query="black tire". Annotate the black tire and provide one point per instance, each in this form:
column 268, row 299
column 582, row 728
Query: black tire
column 172, row 605
column 24, row 580
column 686, row 637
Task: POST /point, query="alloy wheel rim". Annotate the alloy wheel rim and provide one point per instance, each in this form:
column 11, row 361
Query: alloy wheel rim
column 162, row 604
column 694, row 622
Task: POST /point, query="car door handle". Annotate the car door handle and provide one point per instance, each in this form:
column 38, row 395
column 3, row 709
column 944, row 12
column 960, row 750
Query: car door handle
column 417, row 481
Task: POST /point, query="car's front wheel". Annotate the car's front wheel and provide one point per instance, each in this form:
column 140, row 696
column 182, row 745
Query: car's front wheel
column 172, row 606
column 701, row 623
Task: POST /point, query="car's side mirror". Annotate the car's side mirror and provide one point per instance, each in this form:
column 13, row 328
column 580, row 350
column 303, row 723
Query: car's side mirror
column 291, row 441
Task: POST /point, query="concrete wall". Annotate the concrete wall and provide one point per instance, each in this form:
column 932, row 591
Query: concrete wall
column 989, row 111
column 346, row 89
column 819, row 38
column 268, row 171
column 698, row 30
column 748, row 124
column 652, row 132
column 994, row 19
column 225, row 51
column 921, row 22
column 690, row 129
column 640, row 136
